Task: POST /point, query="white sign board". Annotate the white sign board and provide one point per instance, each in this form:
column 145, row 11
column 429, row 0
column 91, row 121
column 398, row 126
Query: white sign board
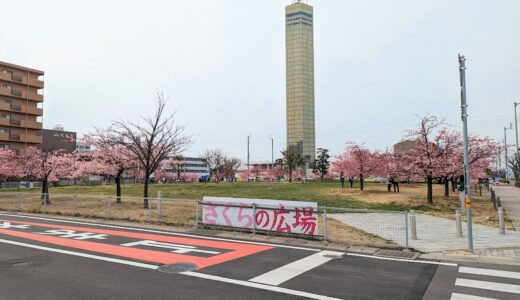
column 271, row 215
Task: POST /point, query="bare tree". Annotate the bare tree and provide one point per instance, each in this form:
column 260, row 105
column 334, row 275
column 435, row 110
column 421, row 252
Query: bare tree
column 152, row 140
column 178, row 165
column 215, row 159
column 230, row 167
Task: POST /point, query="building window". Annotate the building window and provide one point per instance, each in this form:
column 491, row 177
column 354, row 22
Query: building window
column 4, row 130
column 4, row 146
column 5, row 116
column 7, row 86
column 5, row 101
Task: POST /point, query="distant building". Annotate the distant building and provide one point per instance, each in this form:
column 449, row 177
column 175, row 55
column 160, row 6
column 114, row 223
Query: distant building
column 194, row 165
column 261, row 167
column 20, row 106
column 299, row 44
column 82, row 147
column 58, row 140
column 404, row 146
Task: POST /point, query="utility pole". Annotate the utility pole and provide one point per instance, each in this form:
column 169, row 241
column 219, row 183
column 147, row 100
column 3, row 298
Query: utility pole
column 464, row 116
column 272, row 153
column 505, row 153
column 248, row 137
column 516, row 133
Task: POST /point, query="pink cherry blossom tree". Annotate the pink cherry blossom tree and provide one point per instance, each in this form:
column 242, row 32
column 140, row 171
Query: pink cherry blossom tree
column 46, row 166
column 357, row 160
column 110, row 158
column 9, row 166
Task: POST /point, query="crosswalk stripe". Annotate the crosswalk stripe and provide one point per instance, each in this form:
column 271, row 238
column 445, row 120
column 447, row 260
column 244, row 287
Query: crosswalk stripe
column 456, row 296
column 490, row 272
column 487, row 285
column 289, row 271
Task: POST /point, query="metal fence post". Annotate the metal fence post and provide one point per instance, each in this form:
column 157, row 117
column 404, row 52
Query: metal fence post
column 109, row 207
column 413, row 225
column 458, row 223
column 254, row 218
column 501, row 225
column 18, row 202
column 74, row 203
column 149, row 210
column 44, row 202
column 159, row 203
column 197, row 215
column 406, row 229
column 325, row 223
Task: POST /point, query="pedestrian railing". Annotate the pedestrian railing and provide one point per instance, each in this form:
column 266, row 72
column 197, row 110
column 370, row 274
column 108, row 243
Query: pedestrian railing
column 331, row 224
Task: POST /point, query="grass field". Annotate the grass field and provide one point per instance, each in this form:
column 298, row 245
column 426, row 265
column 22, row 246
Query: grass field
column 92, row 202
column 375, row 196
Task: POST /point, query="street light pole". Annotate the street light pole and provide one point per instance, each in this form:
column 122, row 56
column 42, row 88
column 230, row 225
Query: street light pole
column 248, row 137
column 505, row 153
column 272, row 153
column 516, row 134
column 464, row 117
column 516, row 129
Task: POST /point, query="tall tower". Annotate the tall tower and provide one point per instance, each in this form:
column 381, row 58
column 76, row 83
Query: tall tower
column 299, row 44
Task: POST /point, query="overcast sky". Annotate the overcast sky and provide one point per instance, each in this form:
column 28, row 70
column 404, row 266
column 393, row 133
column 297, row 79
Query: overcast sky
column 378, row 64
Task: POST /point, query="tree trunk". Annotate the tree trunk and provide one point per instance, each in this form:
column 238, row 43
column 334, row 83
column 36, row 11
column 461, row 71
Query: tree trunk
column 118, row 188
column 145, row 195
column 45, row 191
column 452, row 184
column 290, row 175
column 361, row 182
column 446, row 187
column 429, row 183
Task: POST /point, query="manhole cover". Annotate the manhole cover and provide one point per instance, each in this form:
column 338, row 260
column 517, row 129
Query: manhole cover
column 333, row 256
column 177, row 268
column 20, row 264
column 397, row 254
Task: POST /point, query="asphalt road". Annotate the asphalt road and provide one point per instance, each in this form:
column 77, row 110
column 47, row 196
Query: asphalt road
column 45, row 258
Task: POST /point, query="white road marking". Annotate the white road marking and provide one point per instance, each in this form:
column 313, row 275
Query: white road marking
column 193, row 274
column 114, row 260
column 289, row 271
column 179, row 249
column 456, row 296
column 490, row 272
column 259, row 286
column 8, row 225
column 404, row 260
column 223, row 239
column 74, row 234
column 487, row 285
column 164, row 232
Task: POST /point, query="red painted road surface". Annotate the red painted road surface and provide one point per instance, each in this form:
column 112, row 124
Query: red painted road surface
column 161, row 257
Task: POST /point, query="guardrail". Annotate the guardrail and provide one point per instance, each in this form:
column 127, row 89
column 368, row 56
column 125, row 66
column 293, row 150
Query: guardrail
column 329, row 224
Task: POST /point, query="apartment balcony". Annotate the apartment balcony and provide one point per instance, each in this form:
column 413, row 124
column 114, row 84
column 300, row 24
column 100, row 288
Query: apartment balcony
column 21, row 94
column 22, row 80
column 21, row 138
column 31, row 110
column 15, row 137
column 20, row 123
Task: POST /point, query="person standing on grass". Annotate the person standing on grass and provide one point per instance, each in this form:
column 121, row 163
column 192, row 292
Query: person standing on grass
column 389, row 181
column 395, row 182
column 342, row 179
column 351, row 181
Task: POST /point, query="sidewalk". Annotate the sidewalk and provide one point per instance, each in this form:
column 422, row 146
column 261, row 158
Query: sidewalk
column 434, row 234
column 510, row 199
